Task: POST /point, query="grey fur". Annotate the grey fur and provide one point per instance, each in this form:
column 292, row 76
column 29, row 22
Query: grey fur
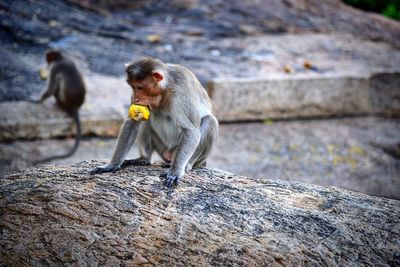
column 184, row 128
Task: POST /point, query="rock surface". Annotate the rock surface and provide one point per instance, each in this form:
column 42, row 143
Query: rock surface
column 63, row 216
column 212, row 38
column 318, row 45
column 241, row 100
column 350, row 153
column 326, row 75
column 345, row 81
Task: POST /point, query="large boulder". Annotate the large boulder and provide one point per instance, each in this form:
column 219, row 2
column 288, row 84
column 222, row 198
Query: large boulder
column 61, row 215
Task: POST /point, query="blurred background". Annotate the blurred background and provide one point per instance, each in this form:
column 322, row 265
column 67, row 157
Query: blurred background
column 305, row 90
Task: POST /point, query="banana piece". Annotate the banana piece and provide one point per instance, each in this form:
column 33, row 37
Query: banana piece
column 43, row 74
column 139, row 113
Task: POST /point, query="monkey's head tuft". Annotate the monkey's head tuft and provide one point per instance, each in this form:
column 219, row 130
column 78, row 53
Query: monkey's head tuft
column 53, row 55
column 139, row 70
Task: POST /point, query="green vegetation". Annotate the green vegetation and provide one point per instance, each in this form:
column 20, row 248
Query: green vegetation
column 388, row 8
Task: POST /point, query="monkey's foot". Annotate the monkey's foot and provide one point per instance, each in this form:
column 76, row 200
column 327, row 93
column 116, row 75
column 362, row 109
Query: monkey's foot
column 103, row 169
column 137, row 162
column 170, row 179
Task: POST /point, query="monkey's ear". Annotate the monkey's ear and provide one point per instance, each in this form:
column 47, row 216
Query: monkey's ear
column 157, row 76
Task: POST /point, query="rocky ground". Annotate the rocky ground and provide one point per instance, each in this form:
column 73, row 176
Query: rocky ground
column 60, row 215
column 186, row 32
column 358, row 154
column 290, row 41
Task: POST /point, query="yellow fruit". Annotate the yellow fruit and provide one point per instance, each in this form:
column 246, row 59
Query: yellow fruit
column 43, row 74
column 139, row 113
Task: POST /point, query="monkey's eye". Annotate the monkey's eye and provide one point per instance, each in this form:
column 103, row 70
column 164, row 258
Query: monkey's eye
column 139, row 87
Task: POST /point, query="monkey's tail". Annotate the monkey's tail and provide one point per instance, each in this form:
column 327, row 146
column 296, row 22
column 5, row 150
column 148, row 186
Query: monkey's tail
column 75, row 117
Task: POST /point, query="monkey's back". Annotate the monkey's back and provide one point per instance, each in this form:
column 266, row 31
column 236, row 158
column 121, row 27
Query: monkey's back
column 190, row 96
column 71, row 92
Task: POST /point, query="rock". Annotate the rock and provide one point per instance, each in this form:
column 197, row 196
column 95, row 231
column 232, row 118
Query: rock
column 357, row 154
column 319, row 16
column 337, row 83
column 305, row 96
column 244, row 99
column 329, row 75
column 63, row 216
column 248, row 29
column 385, row 93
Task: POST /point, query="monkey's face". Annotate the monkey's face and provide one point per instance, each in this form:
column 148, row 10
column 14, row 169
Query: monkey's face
column 146, row 92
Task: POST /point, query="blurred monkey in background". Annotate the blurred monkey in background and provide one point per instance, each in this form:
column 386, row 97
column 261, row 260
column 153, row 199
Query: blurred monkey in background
column 65, row 83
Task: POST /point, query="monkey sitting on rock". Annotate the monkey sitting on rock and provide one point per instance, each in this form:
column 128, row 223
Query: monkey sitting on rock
column 65, row 83
column 181, row 129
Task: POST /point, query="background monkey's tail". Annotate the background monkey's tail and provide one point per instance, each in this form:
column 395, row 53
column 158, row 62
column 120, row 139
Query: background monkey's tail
column 75, row 117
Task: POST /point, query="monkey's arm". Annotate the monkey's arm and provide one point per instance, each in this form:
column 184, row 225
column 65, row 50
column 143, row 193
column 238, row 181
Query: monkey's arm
column 51, row 86
column 126, row 137
column 188, row 143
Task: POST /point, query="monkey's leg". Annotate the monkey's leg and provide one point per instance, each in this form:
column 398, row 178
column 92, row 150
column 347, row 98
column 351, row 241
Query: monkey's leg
column 162, row 150
column 126, row 137
column 187, row 145
column 209, row 134
column 148, row 142
column 51, row 87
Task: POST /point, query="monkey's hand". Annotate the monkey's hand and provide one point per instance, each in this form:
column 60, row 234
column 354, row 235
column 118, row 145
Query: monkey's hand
column 170, row 178
column 106, row 168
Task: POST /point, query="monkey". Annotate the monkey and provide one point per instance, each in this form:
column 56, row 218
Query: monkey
column 182, row 128
column 66, row 84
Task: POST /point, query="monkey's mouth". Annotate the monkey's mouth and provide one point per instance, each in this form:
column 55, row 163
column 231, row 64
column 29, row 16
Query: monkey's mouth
column 144, row 105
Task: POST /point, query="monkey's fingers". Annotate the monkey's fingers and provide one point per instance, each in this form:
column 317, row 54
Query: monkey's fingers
column 96, row 170
column 103, row 169
column 171, row 180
